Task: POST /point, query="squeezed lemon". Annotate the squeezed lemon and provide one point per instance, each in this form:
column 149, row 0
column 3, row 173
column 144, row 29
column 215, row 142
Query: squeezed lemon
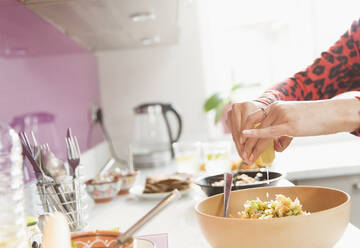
column 267, row 157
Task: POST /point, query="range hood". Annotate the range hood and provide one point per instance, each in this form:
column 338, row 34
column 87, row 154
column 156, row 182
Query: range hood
column 112, row 24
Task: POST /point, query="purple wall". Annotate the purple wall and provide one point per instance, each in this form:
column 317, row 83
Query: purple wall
column 43, row 70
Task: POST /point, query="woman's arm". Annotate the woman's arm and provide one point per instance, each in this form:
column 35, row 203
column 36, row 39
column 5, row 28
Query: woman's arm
column 301, row 118
column 306, row 118
column 335, row 72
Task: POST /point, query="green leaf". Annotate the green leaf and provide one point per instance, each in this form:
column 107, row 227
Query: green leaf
column 212, row 102
column 31, row 223
column 236, row 86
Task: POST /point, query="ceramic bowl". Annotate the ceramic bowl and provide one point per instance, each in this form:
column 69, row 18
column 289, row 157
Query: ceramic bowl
column 329, row 208
column 98, row 239
column 127, row 181
column 103, row 191
column 205, row 183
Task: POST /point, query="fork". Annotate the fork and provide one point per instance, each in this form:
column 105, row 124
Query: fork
column 73, row 155
column 73, row 151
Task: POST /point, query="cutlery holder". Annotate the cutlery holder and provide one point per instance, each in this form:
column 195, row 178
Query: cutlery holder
column 67, row 197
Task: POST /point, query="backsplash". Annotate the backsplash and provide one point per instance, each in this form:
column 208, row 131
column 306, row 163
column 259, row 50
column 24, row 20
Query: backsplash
column 41, row 70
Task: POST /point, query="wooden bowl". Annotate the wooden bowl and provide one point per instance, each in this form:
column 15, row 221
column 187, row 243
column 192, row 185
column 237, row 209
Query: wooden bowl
column 329, row 208
column 98, row 239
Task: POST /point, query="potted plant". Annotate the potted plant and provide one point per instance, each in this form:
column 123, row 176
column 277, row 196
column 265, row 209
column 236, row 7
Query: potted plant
column 221, row 101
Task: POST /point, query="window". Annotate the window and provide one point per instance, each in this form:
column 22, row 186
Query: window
column 267, row 41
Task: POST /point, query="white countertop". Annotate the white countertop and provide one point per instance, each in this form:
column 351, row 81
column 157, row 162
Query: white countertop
column 302, row 160
column 320, row 157
column 178, row 220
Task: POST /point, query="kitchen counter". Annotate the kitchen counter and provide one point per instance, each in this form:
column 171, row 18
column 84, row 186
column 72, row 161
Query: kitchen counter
column 320, row 157
column 178, row 219
column 302, row 160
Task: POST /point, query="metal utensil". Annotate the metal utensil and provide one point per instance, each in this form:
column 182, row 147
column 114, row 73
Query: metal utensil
column 33, row 162
column 107, row 166
column 53, row 166
column 175, row 194
column 73, row 151
column 227, row 190
column 73, row 155
column 27, row 142
column 49, row 171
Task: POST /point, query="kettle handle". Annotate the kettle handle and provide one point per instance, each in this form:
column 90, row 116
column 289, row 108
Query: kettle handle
column 166, row 108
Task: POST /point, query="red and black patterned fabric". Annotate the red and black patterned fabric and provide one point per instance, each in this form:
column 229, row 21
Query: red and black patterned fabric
column 335, row 72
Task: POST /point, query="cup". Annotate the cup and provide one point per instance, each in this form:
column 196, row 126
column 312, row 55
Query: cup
column 187, row 157
column 217, row 157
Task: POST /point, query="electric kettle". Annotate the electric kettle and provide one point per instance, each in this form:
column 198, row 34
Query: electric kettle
column 153, row 134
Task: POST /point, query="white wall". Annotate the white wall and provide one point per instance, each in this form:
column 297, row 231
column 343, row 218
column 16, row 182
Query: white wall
column 170, row 74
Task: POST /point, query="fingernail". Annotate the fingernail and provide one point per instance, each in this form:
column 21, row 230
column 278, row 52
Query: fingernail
column 241, row 140
column 248, row 131
column 251, row 158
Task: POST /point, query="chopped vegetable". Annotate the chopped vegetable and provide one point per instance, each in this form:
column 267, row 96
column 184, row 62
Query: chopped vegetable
column 282, row 206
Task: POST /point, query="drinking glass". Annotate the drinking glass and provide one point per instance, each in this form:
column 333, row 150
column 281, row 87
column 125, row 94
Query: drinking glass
column 217, row 157
column 188, row 156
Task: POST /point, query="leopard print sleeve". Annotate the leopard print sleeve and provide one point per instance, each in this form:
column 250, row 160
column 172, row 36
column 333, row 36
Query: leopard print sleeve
column 336, row 71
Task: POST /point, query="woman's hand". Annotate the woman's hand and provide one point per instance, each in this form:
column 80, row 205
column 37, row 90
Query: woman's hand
column 235, row 121
column 295, row 119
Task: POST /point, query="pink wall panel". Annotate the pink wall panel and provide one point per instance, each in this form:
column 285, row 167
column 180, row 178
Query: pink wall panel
column 43, row 70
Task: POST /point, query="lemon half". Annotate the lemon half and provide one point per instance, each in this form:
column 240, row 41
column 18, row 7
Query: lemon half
column 267, row 156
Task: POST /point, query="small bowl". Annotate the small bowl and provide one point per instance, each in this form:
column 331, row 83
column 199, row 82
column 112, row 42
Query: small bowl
column 98, row 239
column 127, row 181
column 103, row 191
column 206, row 182
column 329, row 216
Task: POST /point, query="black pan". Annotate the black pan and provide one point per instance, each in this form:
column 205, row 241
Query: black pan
column 205, row 182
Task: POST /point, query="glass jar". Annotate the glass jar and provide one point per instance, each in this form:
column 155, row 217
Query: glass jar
column 12, row 216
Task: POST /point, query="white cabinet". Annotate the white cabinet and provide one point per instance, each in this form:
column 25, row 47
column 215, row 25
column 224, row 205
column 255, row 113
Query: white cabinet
column 349, row 184
column 112, row 24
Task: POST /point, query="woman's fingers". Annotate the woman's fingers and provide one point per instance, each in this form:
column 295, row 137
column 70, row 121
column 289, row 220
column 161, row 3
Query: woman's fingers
column 247, row 150
column 282, row 143
column 253, row 119
column 234, row 132
column 267, row 132
column 246, row 145
column 251, row 142
column 235, row 121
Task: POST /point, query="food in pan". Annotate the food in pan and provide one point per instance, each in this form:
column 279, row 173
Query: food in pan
column 237, row 181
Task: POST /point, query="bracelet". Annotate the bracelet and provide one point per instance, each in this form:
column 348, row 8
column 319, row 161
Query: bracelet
column 263, row 101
